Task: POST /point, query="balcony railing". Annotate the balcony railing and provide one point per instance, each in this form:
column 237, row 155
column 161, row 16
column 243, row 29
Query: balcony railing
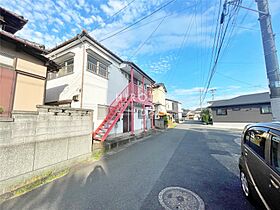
column 141, row 95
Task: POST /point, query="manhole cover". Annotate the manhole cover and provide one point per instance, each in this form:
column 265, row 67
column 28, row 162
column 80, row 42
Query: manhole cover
column 179, row 198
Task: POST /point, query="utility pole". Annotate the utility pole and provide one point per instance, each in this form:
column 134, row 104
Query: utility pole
column 271, row 60
column 200, row 99
column 213, row 90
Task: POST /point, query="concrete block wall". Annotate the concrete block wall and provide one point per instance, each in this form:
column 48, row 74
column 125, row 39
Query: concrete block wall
column 37, row 140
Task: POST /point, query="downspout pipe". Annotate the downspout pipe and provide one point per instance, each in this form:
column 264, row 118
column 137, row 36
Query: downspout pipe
column 83, row 72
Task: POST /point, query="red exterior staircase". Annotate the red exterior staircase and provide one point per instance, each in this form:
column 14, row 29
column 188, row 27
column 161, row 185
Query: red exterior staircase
column 131, row 93
column 116, row 109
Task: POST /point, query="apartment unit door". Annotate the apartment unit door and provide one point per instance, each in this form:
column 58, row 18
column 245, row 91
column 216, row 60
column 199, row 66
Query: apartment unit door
column 126, row 119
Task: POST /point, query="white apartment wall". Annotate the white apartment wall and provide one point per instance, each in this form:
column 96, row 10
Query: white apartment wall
column 67, row 86
column 168, row 105
column 117, row 83
column 99, row 90
column 96, row 89
column 180, row 111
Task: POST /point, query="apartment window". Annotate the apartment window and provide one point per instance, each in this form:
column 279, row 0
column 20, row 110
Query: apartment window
column 103, row 70
column 221, row 111
column 67, row 67
column 140, row 114
column 102, row 111
column 95, row 66
column 265, row 109
column 92, row 64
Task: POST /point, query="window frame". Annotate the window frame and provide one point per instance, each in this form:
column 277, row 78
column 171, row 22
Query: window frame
column 62, row 64
column 252, row 129
column 104, row 109
column 225, row 109
column 269, row 109
column 100, row 65
column 277, row 134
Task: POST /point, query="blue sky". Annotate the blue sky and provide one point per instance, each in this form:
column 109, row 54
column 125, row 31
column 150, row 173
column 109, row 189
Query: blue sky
column 181, row 62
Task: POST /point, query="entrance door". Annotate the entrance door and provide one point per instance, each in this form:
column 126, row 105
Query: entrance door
column 126, row 127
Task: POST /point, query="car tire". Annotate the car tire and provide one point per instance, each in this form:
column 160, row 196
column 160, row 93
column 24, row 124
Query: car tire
column 245, row 185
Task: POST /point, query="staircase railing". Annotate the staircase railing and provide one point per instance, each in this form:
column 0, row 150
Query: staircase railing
column 141, row 95
column 130, row 93
column 124, row 95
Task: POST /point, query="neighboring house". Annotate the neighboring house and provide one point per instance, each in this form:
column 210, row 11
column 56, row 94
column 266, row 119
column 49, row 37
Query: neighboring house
column 23, row 68
column 242, row 109
column 197, row 114
column 174, row 108
column 159, row 96
column 93, row 77
column 190, row 115
column 180, row 112
column 185, row 113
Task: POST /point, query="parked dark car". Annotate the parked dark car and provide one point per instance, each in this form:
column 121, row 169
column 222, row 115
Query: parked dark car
column 259, row 163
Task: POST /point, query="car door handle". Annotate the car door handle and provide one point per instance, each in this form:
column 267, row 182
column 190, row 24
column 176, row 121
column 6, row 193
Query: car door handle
column 245, row 152
column 274, row 182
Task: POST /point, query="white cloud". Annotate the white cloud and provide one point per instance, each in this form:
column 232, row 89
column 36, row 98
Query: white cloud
column 112, row 7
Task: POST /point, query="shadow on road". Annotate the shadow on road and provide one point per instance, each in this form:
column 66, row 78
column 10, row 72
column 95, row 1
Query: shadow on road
column 204, row 162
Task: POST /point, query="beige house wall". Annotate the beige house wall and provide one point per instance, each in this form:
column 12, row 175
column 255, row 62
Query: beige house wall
column 30, row 80
column 11, row 50
column 29, row 93
column 30, row 67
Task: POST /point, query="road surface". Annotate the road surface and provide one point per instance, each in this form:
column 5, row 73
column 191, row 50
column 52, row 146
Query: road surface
column 193, row 157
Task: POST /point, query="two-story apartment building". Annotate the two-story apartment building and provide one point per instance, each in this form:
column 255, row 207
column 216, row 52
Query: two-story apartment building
column 174, row 108
column 159, row 99
column 93, row 77
column 23, row 68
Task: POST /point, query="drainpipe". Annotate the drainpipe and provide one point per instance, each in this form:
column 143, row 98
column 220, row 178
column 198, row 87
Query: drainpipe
column 132, row 101
column 83, row 72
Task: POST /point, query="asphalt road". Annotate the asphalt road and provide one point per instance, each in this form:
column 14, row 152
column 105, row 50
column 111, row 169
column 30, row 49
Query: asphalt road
column 193, row 157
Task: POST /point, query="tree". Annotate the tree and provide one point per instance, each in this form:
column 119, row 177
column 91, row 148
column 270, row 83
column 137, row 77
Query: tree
column 206, row 116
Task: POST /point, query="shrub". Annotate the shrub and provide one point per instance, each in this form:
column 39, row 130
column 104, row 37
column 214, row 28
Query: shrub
column 1, row 109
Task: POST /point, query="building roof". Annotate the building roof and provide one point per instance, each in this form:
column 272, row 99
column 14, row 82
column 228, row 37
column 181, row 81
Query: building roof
column 84, row 33
column 157, row 85
column 11, row 22
column 139, row 70
column 257, row 98
column 79, row 36
column 173, row 100
column 31, row 48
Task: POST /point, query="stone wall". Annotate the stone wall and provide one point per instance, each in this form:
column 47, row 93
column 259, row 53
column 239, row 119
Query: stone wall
column 159, row 123
column 33, row 141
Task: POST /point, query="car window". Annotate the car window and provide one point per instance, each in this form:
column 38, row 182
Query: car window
column 275, row 153
column 257, row 138
column 247, row 137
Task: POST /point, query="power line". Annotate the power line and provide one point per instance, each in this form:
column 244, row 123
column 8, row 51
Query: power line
column 154, row 20
column 221, row 38
column 237, row 80
column 143, row 43
column 138, row 21
column 122, row 9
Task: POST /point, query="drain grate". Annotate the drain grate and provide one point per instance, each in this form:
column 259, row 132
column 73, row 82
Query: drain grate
column 173, row 198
